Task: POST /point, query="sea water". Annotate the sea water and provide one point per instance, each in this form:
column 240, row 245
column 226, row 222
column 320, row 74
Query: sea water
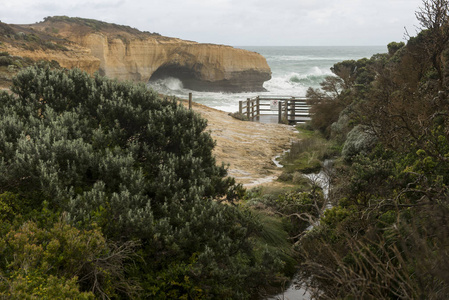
column 294, row 70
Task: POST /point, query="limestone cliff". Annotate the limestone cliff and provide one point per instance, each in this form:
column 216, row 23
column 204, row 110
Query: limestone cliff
column 128, row 54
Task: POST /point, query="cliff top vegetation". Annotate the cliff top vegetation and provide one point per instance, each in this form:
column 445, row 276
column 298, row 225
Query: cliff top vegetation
column 54, row 23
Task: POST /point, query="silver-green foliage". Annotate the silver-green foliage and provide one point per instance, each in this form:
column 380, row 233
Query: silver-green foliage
column 103, row 151
column 360, row 140
column 138, row 166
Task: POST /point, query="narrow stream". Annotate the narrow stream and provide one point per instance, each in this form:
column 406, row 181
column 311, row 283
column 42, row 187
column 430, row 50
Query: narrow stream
column 322, row 179
column 277, row 158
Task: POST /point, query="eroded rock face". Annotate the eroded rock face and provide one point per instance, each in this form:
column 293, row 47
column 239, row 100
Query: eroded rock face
column 128, row 54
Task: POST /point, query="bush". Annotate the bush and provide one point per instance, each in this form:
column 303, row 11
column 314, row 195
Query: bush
column 239, row 116
column 360, row 140
column 393, row 47
column 305, row 155
column 109, row 148
column 38, row 286
column 5, row 60
column 40, row 261
column 115, row 157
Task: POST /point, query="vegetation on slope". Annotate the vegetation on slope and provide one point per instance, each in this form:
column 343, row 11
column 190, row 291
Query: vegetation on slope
column 10, row 66
column 95, row 25
column 108, row 191
column 386, row 236
column 29, row 39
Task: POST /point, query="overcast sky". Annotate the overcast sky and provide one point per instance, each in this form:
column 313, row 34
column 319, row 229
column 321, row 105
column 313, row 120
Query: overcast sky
column 239, row 22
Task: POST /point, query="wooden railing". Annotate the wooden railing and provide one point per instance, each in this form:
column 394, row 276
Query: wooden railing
column 288, row 109
column 250, row 107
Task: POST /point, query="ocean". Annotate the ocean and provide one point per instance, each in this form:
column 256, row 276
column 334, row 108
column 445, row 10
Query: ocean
column 294, row 70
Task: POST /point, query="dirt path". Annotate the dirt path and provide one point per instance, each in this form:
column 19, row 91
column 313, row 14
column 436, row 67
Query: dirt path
column 247, row 146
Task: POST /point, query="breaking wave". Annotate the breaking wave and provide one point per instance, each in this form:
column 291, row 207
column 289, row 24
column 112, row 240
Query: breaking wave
column 294, row 70
column 288, row 84
column 304, row 58
column 295, row 83
column 167, row 85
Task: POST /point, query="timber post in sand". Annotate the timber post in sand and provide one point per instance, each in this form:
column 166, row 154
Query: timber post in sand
column 276, row 109
column 292, row 107
column 280, row 112
column 190, row 100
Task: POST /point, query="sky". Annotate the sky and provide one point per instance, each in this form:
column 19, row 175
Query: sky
column 240, row 22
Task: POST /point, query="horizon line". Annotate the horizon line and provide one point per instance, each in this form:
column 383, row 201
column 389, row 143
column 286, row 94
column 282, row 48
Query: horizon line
column 308, row 45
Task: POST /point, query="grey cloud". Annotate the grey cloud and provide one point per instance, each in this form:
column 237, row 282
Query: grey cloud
column 240, row 22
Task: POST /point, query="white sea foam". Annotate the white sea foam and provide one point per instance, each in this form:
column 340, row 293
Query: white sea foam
column 304, row 58
column 294, row 70
column 167, row 85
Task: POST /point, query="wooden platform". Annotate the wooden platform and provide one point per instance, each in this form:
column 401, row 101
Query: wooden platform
column 276, row 109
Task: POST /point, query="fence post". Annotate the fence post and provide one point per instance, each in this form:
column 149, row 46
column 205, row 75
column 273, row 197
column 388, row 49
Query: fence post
column 293, row 109
column 240, row 106
column 190, row 100
column 252, row 109
column 286, row 110
column 280, row 111
column 258, row 106
column 248, row 108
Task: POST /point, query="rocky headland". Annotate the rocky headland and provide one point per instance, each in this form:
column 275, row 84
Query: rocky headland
column 126, row 53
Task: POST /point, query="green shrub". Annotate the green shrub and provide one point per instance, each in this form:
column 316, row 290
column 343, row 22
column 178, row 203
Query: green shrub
column 239, row 116
column 307, row 153
column 62, row 259
column 5, row 60
column 140, row 168
column 39, row 286
column 360, row 140
column 393, row 47
column 109, row 147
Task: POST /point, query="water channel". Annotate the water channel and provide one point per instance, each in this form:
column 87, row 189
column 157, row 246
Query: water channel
column 322, row 179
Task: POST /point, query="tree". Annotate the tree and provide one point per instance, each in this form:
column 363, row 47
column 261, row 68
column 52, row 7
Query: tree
column 393, row 47
column 386, row 237
column 433, row 17
column 350, row 84
column 433, row 14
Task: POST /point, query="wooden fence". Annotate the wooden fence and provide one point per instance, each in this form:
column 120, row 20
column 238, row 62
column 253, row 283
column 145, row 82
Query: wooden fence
column 289, row 110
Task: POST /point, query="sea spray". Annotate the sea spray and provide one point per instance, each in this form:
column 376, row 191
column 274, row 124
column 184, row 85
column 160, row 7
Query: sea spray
column 167, row 85
column 294, row 70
